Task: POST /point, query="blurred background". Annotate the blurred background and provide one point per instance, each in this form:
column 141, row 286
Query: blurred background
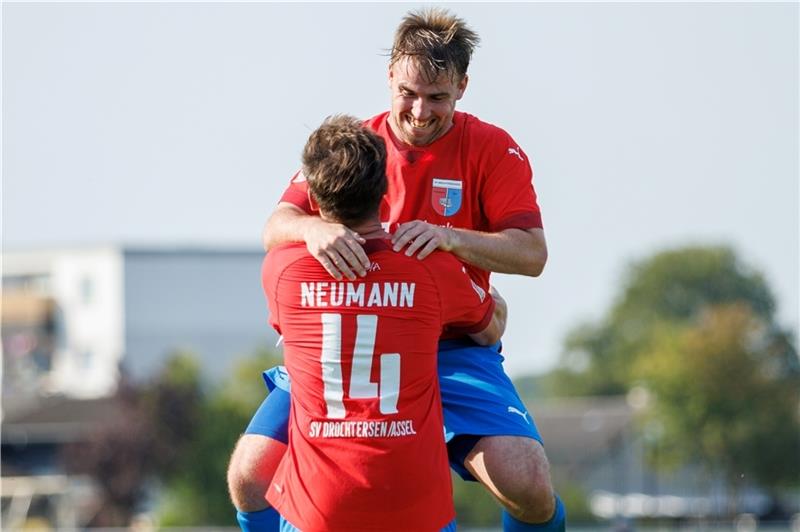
column 144, row 146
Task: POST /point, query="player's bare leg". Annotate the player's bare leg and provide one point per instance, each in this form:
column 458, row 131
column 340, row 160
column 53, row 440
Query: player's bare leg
column 516, row 472
column 252, row 466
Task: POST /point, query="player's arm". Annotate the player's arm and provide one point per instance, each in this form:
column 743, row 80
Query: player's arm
column 515, row 251
column 335, row 246
column 494, row 331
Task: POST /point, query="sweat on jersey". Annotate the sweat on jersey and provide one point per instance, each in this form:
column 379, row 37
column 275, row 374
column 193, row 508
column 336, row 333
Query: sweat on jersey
column 475, row 176
column 366, row 449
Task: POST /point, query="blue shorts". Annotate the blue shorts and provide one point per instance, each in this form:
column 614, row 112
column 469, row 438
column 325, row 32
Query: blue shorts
column 478, row 399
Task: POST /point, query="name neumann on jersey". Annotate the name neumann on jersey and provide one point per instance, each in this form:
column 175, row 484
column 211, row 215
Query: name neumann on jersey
column 361, row 429
column 342, row 294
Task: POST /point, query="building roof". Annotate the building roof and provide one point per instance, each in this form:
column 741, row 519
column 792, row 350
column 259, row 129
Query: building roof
column 55, row 419
column 582, row 429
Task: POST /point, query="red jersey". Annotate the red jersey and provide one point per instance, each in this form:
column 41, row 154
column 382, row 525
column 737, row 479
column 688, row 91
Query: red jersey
column 473, row 177
column 366, row 447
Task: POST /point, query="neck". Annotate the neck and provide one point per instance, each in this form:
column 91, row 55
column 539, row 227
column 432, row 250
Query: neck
column 370, row 228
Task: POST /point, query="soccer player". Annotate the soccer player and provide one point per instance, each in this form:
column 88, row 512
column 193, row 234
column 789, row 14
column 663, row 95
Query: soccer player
column 366, row 451
column 456, row 184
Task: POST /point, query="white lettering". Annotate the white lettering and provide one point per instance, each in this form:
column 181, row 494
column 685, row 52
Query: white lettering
column 355, row 293
column 337, row 294
column 321, row 294
column 362, row 429
column 390, row 294
column 375, row 296
column 407, row 294
column 307, row 294
column 326, row 294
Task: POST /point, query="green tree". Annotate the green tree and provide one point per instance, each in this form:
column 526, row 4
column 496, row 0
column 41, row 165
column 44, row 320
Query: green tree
column 474, row 505
column 696, row 328
column 675, row 285
column 172, row 403
column 196, row 492
column 731, row 383
column 116, row 456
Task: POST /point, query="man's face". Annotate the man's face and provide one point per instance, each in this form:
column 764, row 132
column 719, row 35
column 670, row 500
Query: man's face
column 422, row 111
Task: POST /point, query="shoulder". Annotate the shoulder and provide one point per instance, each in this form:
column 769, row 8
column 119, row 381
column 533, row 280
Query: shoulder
column 442, row 265
column 481, row 131
column 377, row 122
column 283, row 256
column 491, row 145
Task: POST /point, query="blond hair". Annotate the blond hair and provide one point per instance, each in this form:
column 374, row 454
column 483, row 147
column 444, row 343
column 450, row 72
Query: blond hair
column 437, row 41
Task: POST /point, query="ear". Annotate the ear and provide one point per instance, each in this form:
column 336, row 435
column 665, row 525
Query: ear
column 391, row 76
column 462, row 86
column 312, row 202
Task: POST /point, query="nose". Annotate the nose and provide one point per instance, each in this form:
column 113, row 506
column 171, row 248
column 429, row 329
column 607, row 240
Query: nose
column 419, row 109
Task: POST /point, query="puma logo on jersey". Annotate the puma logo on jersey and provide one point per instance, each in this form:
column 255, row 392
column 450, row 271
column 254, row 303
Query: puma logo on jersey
column 480, row 291
column 524, row 415
column 515, row 151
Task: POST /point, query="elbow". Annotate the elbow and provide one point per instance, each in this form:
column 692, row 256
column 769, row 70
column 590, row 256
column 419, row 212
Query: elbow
column 488, row 336
column 266, row 238
column 534, row 266
column 494, row 331
column 270, row 234
column 493, row 337
column 533, row 252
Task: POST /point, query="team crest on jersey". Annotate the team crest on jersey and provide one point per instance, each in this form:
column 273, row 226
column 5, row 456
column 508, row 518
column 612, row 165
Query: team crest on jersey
column 446, row 196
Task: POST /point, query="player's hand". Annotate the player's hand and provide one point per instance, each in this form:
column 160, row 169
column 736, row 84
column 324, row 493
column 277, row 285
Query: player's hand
column 500, row 306
column 423, row 238
column 338, row 249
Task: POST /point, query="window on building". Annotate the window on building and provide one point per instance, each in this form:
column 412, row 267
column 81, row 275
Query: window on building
column 85, row 359
column 87, row 290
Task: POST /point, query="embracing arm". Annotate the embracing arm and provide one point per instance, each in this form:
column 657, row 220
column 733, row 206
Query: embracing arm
column 492, row 333
column 335, row 246
column 284, row 225
column 515, row 251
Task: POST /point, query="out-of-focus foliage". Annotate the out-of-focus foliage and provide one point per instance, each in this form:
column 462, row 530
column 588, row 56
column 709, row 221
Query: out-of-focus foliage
column 474, row 505
column 674, row 286
column 172, row 404
column 731, row 384
column 575, row 500
column 695, row 329
column 173, row 433
column 118, row 458
column 196, row 493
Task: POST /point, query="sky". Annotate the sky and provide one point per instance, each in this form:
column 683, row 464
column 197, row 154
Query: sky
column 650, row 126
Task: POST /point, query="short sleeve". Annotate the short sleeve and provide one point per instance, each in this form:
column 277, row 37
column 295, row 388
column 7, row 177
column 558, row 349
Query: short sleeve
column 507, row 194
column 297, row 193
column 466, row 307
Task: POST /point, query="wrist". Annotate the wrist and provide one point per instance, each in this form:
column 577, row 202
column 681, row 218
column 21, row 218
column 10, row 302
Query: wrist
column 452, row 239
column 308, row 226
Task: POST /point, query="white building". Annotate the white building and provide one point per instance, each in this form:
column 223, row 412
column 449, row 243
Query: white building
column 72, row 317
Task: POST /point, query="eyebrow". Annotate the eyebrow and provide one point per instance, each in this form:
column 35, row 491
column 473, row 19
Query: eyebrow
column 404, row 87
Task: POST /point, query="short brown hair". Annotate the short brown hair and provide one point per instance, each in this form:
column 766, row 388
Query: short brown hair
column 345, row 165
column 438, row 41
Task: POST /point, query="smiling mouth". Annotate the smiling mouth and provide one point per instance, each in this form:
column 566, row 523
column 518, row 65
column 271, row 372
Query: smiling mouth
column 419, row 125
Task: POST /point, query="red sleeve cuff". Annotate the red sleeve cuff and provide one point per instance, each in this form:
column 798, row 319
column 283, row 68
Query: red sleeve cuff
column 476, row 327
column 520, row 220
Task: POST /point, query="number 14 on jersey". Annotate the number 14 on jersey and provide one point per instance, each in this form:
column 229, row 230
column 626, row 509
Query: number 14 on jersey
column 361, row 387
